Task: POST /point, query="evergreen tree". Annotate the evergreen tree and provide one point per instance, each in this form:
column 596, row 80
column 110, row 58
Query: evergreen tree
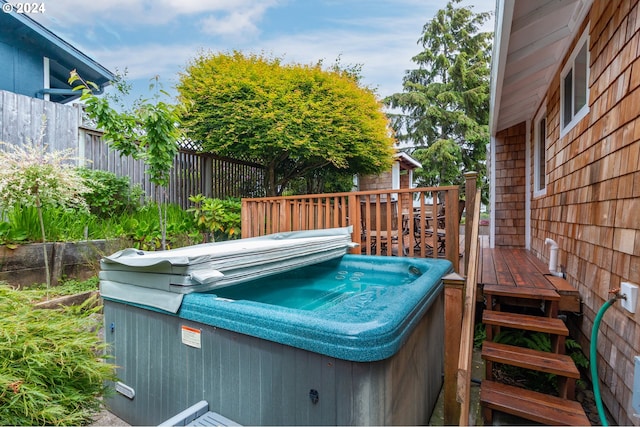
column 444, row 106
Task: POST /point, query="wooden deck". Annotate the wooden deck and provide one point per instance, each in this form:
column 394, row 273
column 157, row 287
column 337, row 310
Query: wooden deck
column 510, row 278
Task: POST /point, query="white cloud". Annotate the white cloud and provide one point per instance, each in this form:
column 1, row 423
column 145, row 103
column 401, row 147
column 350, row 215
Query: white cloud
column 148, row 12
column 241, row 23
column 384, row 45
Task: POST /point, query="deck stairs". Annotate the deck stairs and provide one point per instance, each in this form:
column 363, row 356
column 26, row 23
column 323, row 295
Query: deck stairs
column 530, row 405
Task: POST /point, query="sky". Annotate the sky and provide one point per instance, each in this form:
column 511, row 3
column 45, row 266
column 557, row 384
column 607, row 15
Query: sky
column 158, row 38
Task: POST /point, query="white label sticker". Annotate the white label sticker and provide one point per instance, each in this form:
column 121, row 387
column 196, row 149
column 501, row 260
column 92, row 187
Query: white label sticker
column 191, row 337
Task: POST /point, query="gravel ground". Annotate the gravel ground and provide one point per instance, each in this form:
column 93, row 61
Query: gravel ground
column 106, row 418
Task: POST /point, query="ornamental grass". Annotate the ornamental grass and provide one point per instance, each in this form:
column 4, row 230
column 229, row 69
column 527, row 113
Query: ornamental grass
column 52, row 370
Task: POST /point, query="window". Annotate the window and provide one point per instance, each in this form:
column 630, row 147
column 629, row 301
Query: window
column 540, row 156
column 574, row 88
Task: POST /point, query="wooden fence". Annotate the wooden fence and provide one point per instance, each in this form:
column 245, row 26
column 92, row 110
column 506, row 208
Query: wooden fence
column 23, row 119
column 60, row 127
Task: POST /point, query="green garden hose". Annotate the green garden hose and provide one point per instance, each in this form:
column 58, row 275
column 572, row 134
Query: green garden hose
column 593, row 361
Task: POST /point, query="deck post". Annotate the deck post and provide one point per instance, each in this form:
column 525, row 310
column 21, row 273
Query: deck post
column 470, row 182
column 453, row 304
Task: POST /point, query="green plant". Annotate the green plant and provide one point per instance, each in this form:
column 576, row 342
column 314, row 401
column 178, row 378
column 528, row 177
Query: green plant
column 143, row 227
column 50, row 373
column 216, row 217
column 538, row 381
column 33, row 176
column 479, row 335
column 60, row 223
column 574, row 349
column 150, row 133
column 110, row 194
column 10, row 236
column 64, row 287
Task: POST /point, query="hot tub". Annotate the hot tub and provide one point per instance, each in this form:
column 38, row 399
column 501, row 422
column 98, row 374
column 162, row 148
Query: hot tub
column 356, row 340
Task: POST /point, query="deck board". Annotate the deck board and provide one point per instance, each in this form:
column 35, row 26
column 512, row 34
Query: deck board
column 513, row 267
column 518, row 271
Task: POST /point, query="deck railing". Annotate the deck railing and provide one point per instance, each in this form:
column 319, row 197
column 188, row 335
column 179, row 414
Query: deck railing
column 460, row 302
column 420, row 222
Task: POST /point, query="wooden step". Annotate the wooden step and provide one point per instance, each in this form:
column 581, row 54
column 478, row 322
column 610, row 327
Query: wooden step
column 522, row 292
column 531, row 405
column 555, row 327
column 569, row 296
column 524, row 321
column 558, row 364
column 522, row 296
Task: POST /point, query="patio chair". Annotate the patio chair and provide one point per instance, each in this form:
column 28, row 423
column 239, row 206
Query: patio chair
column 371, row 234
column 439, row 222
column 442, row 234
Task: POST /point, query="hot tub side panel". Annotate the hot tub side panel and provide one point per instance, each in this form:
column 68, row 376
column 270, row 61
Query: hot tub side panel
column 403, row 389
column 257, row 382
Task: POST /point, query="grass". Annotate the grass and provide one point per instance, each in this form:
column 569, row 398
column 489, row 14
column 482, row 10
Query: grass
column 39, row 292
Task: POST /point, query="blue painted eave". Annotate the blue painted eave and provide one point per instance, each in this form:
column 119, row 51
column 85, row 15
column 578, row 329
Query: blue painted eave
column 32, row 36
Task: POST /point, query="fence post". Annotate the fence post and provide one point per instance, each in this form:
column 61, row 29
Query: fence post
column 245, row 219
column 81, row 137
column 453, row 303
column 470, row 179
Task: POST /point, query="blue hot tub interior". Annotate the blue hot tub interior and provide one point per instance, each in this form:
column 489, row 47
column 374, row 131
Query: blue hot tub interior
column 356, row 307
column 318, row 287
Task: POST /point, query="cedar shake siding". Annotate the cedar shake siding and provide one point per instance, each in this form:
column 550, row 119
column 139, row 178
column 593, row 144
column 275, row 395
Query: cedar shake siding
column 510, row 187
column 592, row 202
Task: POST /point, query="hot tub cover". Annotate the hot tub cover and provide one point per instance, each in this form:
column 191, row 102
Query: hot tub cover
column 159, row 279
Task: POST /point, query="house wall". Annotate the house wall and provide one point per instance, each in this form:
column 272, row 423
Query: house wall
column 376, row 182
column 593, row 194
column 384, row 181
column 509, row 184
column 21, row 70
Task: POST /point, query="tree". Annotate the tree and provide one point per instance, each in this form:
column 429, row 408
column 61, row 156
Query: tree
column 445, row 101
column 150, row 132
column 32, row 176
column 292, row 119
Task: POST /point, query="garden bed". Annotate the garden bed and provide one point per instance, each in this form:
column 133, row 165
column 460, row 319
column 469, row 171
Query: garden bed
column 24, row 264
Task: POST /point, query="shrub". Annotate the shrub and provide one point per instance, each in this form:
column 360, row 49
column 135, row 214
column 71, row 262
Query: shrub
column 216, row 217
column 143, row 227
column 110, row 194
column 49, row 371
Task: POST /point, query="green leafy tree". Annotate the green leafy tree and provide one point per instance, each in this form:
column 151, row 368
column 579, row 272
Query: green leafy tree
column 292, row 119
column 150, row 132
column 444, row 106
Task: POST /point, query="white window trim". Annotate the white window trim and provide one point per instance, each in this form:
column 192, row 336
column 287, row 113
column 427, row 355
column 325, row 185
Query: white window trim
column 584, row 39
column 537, row 191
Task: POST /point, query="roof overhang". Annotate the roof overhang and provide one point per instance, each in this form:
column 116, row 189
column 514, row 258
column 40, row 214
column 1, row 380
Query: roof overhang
column 63, row 56
column 530, row 40
column 406, row 161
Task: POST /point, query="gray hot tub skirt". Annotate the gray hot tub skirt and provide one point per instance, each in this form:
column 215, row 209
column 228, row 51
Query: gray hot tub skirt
column 159, row 279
